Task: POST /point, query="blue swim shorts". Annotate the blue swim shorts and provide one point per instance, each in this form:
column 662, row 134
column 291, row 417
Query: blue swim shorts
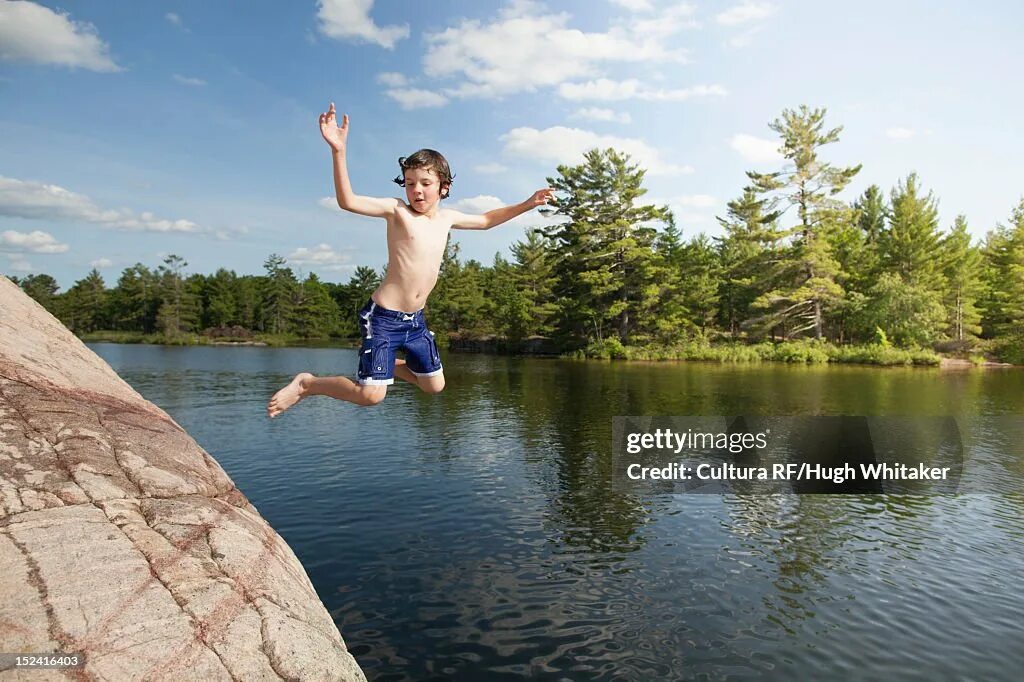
column 387, row 331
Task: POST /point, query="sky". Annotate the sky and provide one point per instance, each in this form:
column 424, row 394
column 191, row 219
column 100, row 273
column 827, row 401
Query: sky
column 131, row 131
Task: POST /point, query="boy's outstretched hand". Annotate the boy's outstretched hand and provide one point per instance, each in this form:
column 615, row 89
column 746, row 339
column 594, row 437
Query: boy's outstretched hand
column 540, row 197
column 335, row 136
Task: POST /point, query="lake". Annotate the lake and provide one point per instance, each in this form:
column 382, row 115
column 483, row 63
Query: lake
column 476, row 534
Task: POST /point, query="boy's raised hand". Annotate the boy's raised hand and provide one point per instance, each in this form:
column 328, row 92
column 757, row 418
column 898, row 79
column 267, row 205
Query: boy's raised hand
column 540, row 197
column 335, row 136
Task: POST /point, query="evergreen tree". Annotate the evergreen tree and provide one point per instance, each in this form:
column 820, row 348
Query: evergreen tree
column 535, row 281
column 746, row 254
column 179, row 306
column 278, row 295
column 42, row 288
column 701, row 282
column 607, row 263
column 806, row 286
column 84, row 307
column 316, row 314
column 963, row 274
column 136, row 299
column 219, row 303
column 911, row 243
column 1004, row 255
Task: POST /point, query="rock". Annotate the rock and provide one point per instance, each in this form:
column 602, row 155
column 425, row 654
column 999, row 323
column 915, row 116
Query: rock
column 122, row 539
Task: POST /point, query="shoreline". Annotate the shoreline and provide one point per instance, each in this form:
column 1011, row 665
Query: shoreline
column 791, row 353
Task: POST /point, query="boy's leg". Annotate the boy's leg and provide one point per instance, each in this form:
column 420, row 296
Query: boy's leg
column 341, row 388
column 432, row 384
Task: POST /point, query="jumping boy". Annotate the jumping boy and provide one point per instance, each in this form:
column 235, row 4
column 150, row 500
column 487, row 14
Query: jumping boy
column 417, row 235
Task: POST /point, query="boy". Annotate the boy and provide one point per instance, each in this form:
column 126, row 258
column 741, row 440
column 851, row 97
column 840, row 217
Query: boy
column 417, row 232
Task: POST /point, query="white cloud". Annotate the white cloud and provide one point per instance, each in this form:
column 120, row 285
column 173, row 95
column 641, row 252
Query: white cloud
column 598, row 114
column 528, row 47
column 756, row 149
column 392, row 79
column 609, row 90
column 415, row 98
column 634, row 5
column 745, row 12
column 670, row 21
column 36, row 241
column 185, row 80
column 567, row 145
column 350, row 20
column 101, row 263
column 328, row 203
column 490, row 168
column 18, row 263
column 900, row 133
column 743, row 39
column 173, row 18
column 320, row 257
column 31, row 32
column 38, row 201
column 695, row 201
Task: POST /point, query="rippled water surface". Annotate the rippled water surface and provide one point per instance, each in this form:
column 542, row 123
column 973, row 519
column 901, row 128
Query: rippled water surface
column 476, row 534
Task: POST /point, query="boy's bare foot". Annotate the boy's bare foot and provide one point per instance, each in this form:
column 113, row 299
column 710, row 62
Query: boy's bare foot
column 289, row 395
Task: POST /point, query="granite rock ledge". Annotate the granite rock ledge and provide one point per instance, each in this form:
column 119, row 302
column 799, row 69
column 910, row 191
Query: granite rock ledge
column 122, row 539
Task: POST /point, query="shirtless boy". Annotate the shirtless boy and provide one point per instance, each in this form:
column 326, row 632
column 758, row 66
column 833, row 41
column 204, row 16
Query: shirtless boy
column 417, row 235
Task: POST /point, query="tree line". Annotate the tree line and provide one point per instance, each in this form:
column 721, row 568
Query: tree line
column 792, row 262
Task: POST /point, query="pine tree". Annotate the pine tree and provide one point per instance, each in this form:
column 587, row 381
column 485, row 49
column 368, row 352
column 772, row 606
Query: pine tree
column 606, row 264
column 316, row 314
column 136, row 299
column 42, row 288
column 746, row 254
column 84, row 307
column 806, row 279
column 963, row 273
column 911, row 242
column 701, row 282
column 535, row 280
column 278, row 295
column 1004, row 256
column 180, row 307
column 220, row 304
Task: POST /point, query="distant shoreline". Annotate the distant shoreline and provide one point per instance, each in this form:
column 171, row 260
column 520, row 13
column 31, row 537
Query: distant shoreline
column 786, row 352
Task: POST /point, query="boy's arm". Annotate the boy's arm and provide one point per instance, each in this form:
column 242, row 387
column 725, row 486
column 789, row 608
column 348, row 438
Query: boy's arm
column 462, row 221
column 337, row 138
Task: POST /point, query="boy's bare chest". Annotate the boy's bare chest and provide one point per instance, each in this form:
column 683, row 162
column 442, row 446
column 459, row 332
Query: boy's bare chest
column 418, row 233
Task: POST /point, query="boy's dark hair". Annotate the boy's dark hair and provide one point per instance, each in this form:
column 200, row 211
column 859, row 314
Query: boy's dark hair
column 430, row 160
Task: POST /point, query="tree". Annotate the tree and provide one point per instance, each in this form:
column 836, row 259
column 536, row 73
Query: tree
column 136, row 299
column 1004, row 255
column 84, row 307
column 315, row 314
column 179, row 307
column 606, row 263
column 746, row 254
column 806, row 277
column 911, row 243
column 964, row 286
column 42, row 288
column 220, row 303
column 536, row 281
column 278, row 295
column 701, row 281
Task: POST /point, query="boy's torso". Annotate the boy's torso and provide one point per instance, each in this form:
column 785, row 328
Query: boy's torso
column 416, row 246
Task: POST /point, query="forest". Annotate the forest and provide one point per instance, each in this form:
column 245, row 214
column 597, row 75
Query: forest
column 796, row 274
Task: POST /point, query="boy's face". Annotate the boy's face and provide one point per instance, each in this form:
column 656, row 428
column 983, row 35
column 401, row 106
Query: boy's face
column 422, row 189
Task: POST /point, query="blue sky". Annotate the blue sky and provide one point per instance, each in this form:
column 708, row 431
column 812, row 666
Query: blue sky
column 129, row 131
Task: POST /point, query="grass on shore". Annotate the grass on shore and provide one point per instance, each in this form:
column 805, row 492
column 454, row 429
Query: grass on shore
column 802, row 352
column 273, row 340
